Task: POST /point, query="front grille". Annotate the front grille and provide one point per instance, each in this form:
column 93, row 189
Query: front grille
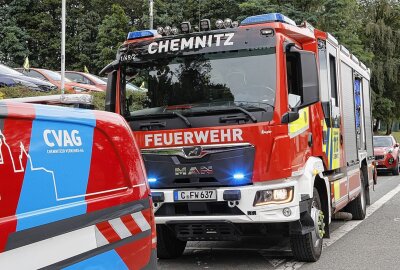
column 215, row 169
column 379, row 157
column 197, row 209
column 194, row 180
column 206, row 231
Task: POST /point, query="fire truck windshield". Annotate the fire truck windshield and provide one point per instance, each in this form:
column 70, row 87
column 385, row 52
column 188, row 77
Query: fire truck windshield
column 187, row 83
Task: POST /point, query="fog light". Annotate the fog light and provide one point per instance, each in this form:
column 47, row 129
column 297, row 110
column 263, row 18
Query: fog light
column 286, row 211
column 174, row 30
column 160, row 30
column 219, row 23
column 186, row 27
column 227, row 23
column 167, row 30
column 391, row 160
column 205, row 25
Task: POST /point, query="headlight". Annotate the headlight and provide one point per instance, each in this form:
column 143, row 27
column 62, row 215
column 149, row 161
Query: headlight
column 391, row 161
column 273, row 196
column 78, row 89
column 389, row 150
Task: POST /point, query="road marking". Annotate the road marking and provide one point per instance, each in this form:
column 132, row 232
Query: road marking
column 344, row 229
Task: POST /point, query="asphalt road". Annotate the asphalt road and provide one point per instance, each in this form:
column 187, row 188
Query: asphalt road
column 370, row 244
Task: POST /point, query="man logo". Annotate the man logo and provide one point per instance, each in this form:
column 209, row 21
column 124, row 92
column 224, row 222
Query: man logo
column 193, row 152
column 200, row 170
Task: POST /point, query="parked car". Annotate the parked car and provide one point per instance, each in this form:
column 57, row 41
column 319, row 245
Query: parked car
column 86, row 78
column 55, row 78
column 386, row 151
column 10, row 77
column 129, row 86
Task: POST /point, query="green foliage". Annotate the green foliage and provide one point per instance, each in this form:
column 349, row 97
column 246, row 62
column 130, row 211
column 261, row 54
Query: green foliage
column 99, row 100
column 13, row 47
column 136, row 100
column 370, row 29
column 20, row 92
column 382, row 38
column 112, row 32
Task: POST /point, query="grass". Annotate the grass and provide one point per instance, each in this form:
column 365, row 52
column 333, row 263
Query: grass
column 396, row 134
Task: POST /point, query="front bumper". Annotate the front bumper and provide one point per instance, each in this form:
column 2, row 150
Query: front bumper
column 388, row 163
column 246, row 212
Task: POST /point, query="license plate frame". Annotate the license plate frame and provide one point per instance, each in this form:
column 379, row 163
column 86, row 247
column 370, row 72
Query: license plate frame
column 196, row 195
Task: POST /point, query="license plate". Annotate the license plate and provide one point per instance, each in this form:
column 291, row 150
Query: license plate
column 195, row 195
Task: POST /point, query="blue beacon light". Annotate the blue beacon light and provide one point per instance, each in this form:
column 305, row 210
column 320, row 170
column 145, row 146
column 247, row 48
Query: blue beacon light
column 238, row 176
column 152, row 180
column 270, row 17
column 141, row 34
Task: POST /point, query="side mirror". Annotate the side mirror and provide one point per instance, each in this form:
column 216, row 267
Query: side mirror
column 307, row 76
column 290, row 117
column 396, row 145
column 111, row 91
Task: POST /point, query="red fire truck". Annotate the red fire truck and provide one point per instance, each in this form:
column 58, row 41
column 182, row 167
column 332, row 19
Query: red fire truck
column 248, row 129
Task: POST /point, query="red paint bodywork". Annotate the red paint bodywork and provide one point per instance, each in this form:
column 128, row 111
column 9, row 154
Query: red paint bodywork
column 274, row 158
column 101, row 86
column 115, row 163
column 383, row 163
column 68, row 84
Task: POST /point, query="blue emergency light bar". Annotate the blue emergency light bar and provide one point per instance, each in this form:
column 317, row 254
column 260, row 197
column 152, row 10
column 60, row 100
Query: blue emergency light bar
column 265, row 18
column 141, row 34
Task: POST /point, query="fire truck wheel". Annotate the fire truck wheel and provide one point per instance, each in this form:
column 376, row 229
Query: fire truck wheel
column 358, row 207
column 168, row 246
column 308, row 247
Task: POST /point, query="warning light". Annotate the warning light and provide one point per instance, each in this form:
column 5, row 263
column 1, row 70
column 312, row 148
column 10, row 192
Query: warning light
column 238, row 176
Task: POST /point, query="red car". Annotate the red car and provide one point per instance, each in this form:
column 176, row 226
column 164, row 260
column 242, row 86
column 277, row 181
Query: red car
column 386, row 151
column 55, row 78
column 86, row 78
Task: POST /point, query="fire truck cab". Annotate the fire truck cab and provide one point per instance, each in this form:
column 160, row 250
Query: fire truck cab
column 257, row 127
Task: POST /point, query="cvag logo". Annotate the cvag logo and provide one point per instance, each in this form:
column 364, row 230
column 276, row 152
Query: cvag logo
column 62, row 138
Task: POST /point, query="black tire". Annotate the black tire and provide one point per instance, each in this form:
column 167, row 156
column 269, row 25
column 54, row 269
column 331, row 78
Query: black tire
column 364, row 171
column 395, row 170
column 358, row 207
column 308, row 247
column 168, row 246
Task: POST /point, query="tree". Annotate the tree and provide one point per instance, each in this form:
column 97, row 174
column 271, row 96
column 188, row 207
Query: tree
column 382, row 37
column 344, row 20
column 112, row 32
column 299, row 11
column 13, row 46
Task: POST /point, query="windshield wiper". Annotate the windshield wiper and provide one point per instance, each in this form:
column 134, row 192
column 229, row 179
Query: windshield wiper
column 227, row 109
column 161, row 115
column 184, row 118
column 246, row 112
